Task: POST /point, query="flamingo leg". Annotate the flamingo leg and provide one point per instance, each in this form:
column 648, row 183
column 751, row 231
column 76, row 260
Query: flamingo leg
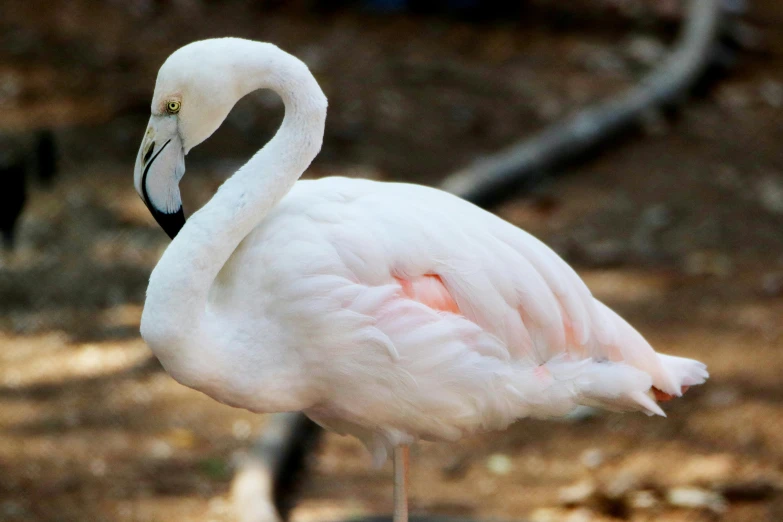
column 401, row 461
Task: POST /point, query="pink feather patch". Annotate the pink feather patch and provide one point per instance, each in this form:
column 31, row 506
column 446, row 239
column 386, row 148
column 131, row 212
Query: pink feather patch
column 429, row 290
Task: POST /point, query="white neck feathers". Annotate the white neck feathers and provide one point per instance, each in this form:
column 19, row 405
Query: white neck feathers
column 176, row 301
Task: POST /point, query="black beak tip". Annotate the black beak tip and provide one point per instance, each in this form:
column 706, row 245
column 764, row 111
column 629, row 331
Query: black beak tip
column 170, row 223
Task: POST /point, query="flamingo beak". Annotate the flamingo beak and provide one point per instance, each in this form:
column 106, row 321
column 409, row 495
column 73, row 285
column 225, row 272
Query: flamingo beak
column 160, row 165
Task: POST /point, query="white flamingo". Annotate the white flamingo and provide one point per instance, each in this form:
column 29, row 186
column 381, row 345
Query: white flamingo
column 392, row 312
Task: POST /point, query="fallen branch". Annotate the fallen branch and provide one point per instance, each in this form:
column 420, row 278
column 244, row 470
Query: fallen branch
column 523, row 165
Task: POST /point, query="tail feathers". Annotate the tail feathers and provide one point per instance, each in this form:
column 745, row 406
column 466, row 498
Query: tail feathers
column 613, row 386
column 617, row 387
column 684, row 372
column 669, row 374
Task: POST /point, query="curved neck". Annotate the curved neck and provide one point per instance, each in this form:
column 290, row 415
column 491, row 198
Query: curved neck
column 180, row 284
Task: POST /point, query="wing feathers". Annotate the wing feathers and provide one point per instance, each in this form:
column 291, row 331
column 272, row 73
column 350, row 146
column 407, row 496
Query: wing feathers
column 453, row 257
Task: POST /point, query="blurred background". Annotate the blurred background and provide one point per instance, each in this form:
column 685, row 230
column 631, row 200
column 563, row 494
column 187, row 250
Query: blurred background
column 679, row 228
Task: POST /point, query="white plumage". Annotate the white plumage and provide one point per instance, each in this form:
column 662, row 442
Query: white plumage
column 328, row 257
column 389, row 311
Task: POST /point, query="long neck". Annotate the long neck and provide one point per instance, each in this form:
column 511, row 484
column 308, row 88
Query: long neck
column 180, row 284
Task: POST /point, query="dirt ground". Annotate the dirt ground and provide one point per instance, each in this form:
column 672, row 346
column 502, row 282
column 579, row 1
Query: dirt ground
column 679, row 230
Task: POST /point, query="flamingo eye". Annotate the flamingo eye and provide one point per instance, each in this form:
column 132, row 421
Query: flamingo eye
column 172, row 107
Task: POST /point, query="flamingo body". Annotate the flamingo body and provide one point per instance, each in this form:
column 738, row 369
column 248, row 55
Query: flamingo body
column 392, row 312
column 400, row 312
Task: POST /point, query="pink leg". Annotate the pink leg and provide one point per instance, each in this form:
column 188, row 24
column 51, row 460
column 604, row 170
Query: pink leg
column 401, row 460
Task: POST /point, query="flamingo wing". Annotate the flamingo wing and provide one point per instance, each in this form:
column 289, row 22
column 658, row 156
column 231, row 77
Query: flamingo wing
column 456, row 257
column 457, row 297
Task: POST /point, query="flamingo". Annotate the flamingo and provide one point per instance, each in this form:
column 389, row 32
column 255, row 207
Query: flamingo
column 392, row 312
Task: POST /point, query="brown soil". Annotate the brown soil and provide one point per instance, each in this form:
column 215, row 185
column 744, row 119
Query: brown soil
column 678, row 230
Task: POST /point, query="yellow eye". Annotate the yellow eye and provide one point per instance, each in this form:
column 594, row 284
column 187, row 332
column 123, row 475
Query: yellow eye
column 172, row 107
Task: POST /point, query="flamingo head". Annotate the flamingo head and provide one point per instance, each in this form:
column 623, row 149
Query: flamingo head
column 195, row 90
